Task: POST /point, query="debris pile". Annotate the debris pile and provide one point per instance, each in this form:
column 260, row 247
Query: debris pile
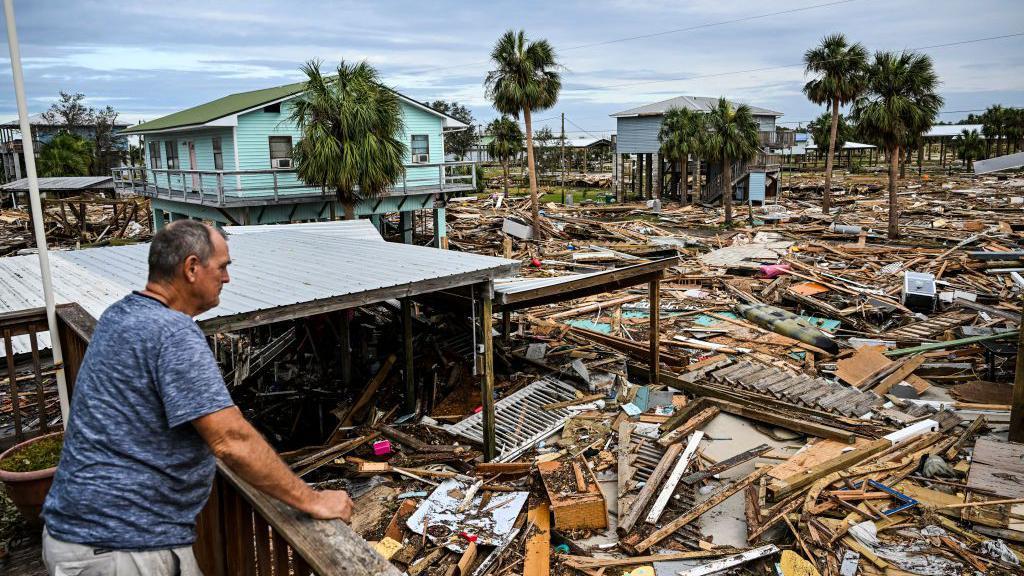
column 77, row 221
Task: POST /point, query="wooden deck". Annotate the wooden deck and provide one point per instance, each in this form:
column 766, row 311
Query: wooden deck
column 25, row 557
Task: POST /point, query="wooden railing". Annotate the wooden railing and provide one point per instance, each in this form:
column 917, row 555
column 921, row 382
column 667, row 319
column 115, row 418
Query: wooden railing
column 777, row 138
column 241, row 531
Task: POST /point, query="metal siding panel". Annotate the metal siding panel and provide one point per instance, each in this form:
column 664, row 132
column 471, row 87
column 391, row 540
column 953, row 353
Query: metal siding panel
column 638, row 135
column 756, row 186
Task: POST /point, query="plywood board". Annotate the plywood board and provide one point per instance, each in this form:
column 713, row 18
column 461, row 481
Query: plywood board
column 865, row 363
column 816, row 453
column 998, row 467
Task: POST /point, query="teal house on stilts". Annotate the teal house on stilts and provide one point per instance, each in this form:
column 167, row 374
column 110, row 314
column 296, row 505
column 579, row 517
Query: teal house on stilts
column 229, row 162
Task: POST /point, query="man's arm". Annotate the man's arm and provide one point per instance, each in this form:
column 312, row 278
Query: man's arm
column 235, row 442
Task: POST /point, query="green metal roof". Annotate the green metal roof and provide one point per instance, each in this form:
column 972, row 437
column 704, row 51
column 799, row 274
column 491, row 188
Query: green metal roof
column 226, row 106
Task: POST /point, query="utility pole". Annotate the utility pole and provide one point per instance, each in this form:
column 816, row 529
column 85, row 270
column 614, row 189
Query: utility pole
column 36, row 210
column 563, row 157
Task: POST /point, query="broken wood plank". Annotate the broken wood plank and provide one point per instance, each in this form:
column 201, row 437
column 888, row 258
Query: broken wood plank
column 672, row 481
column 726, row 464
column 537, row 561
column 695, row 512
column 698, row 420
column 649, row 489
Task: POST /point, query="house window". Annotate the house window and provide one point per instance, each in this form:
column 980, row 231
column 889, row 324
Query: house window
column 154, row 156
column 420, row 149
column 281, row 152
column 273, row 108
column 171, row 146
column 218, row 154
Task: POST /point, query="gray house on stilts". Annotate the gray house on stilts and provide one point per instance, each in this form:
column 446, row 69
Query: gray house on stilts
column 640, row 171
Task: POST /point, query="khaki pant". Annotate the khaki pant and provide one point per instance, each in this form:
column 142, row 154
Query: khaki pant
column 69, row 559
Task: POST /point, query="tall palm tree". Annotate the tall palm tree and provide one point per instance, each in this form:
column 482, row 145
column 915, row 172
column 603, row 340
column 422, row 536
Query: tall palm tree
column 506, row 142
column 732, row 137
column 969, row 146
column 839, row 68
column 65, row 155
column 681, row 135
column 526, row 79
column 350, row 127
column 899, row 106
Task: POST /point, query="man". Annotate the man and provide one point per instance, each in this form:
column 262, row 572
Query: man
column 150, row 411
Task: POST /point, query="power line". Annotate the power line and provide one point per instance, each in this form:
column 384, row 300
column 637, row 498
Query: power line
column 766, row 68
column 656, row 34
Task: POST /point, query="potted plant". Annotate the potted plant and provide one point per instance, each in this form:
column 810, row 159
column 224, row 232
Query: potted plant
column 27, row 471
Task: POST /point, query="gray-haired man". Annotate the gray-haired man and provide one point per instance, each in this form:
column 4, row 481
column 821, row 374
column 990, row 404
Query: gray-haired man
column 150, row 411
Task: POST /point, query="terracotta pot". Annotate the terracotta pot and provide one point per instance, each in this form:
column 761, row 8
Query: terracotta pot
column 28, row 489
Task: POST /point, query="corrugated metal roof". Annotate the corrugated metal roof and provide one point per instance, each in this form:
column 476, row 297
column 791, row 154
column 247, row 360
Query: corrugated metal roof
column 695, row 103
column 998, row 163
column 360, row 229
column 284, row 266
column 945, row 130
column 67, row 183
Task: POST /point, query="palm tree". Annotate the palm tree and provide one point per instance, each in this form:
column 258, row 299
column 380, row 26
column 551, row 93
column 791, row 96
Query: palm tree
column 732, row 136
column 900, row 105
column 525, row 79
column 350, row 125
column 506, row 142
column 65, row 155
column 969, row 146
column 993, row 121
column 839, row 79
column 820, row 130
column 681, row 135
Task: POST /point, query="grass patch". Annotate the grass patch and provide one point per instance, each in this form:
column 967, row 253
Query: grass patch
column 36, row 456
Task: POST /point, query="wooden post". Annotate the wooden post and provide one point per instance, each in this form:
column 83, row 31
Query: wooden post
column 487, row 379
column 346, row 348
column 1017, row 409
column 655, row 328
column 649, row 176
column 506, row 327
column 410, row 385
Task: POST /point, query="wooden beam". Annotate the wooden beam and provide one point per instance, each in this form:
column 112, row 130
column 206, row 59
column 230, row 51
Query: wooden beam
column 407, row 354
column 697, row 511
column 487, row 380
column 537, row 561
column 783, row 488
column 654, row 290
column 649, row 489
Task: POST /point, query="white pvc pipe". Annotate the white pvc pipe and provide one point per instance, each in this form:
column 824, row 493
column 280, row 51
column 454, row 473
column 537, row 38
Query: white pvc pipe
column 37, row 210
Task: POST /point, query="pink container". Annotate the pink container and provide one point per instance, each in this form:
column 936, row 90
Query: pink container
column 381, row 447
column 773, row 270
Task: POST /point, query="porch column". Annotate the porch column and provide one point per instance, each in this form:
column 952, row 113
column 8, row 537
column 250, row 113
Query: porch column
column 405, row 225
column 158, row 220
column 659, row 175
column 619, row 178
column 487, row 375
column 377, row 222
column 649, row 175
column 654, row 297
column 410, row 384
column 440, row 228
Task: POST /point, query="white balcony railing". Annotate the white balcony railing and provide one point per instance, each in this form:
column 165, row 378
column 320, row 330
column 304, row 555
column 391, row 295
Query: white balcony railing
column 240, row 187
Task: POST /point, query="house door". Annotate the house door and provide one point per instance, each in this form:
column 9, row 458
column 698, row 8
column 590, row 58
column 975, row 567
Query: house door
column 192, row 165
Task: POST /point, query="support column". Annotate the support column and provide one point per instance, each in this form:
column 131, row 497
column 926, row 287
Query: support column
column 618, row 178
column 158, row 220
column 440, row 228
column 649, row 176
column 654, row 297
column 377, row 222
column 410, row 384
column 638, row 170
column 487, row 378
column 345, row 345
column 659, row 175
column 405, row 225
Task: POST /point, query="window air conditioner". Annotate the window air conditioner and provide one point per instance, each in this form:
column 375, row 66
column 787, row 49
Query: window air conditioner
column 421, row 158
column 281, row 163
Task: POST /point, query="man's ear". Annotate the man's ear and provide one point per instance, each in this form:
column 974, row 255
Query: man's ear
column 191, row 266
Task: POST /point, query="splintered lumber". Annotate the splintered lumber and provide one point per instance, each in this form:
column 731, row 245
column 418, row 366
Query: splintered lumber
column 537, row 561
column 731, row 561
column 601, row 305
column 587, row 562
column 669, row 487
column 695, row 512
column 905, row 369
column 371, row 389
column 726, row 464
column 492, row 468
column 783, row 488
column 700, row 419
column 649, row 489
column 625, row 468
column 324, row 457
column 792, row 505
column 789, row 423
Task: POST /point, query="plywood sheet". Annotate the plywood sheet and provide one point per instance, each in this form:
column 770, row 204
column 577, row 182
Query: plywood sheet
column 821, row 451
column 998, row 467
column 864, row 364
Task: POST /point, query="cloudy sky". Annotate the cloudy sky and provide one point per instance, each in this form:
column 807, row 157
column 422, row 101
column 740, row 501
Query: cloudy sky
column 147, row 59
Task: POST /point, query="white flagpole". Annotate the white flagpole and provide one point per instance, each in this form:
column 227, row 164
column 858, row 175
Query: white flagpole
column 37, row 211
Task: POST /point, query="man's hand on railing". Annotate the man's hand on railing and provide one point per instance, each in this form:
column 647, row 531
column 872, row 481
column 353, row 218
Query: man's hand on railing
column 331, row 505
